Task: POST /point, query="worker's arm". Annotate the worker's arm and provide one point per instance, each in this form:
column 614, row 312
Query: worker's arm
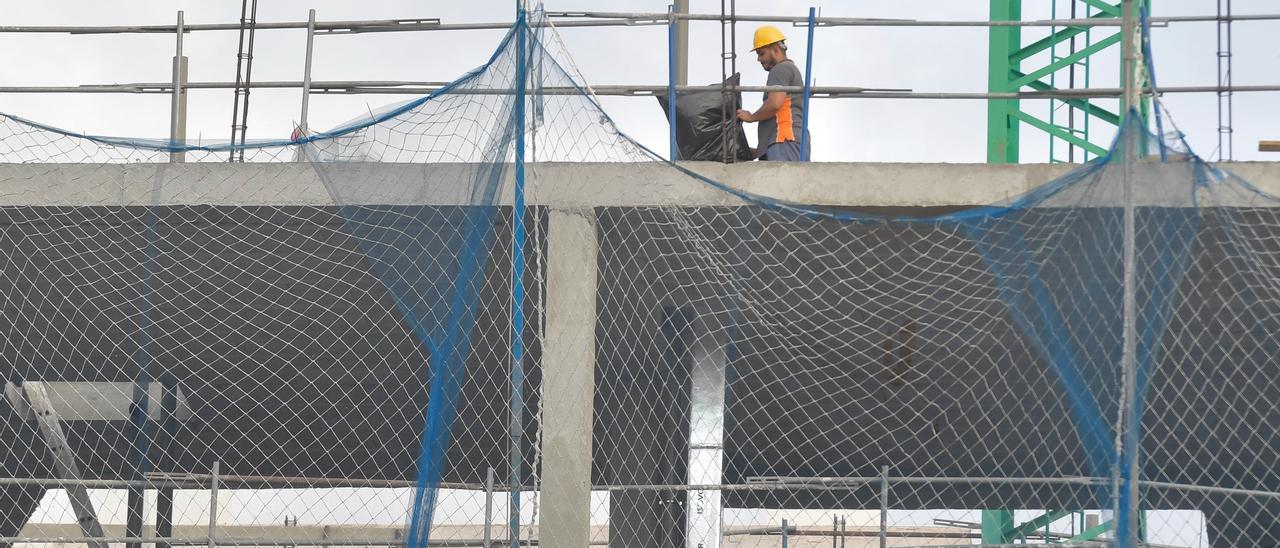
column 767, row 110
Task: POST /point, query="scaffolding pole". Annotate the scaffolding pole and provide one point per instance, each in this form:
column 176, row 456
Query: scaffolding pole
column 515, row 428
column 306, row 73
column 1226, row 131
column 682, row 43
column 671, row 86
column 178, row 104
column 1126, row 472
column 808, row 87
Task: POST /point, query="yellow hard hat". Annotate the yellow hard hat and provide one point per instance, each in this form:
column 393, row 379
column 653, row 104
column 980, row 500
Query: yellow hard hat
column 766, row 35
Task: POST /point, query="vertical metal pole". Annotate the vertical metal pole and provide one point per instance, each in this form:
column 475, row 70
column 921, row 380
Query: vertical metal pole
column 306, row 71
column 169, row 431
column 733, row 36
column 808, row 79
column 1148, row 70
column 213, row 505
column 488, row 508
column 178, row 104
column 671, row 79
column 728, row 66
column 516, row 423
column 1131, row 51
column 682, row 44
column 884, row 506
column 727, row 101
column 140, row 410
column 784, row 532
column 1127, row 469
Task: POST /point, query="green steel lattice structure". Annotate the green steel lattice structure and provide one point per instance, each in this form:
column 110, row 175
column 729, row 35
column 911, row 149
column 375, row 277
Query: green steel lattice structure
column 1040, row 65
column 1047, row 64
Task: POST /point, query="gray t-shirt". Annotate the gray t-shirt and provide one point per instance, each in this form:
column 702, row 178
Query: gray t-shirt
column 791, row 116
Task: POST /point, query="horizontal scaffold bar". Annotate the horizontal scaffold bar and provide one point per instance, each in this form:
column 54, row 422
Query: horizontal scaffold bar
column 583, row 19
column 201, row 481
column 390, row 87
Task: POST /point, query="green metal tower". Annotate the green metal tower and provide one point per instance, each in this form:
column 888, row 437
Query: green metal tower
column 1061, row 61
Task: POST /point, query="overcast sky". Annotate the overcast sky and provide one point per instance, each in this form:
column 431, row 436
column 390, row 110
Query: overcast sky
column 923, row 59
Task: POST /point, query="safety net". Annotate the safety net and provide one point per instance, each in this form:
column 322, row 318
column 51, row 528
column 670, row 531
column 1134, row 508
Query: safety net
column 487, row 317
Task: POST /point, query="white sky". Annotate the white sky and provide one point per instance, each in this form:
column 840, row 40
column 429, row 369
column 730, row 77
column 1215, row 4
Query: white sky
column 924, row 59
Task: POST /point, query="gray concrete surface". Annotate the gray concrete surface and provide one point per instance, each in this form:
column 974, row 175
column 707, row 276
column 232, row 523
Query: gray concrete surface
column 566, row 437
column 557, row 185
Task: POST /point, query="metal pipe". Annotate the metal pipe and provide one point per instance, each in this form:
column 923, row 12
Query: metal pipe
column 213, row 506
column 682, row 43
column 758, row 531
column 608, row 20
column 488, row 508
column 306, row 71
column 515, row 427
column 1130, row 86
column 884, row 506
column 178, row 105
column 842, row 21
column 808, row 89
column 1126, row 471
column 784, row 533
column 671, row 85
column 821, row 92
column 1213, row 19
column 169, row 431
column 266, row 482
column 883, row 22
column 854, row 481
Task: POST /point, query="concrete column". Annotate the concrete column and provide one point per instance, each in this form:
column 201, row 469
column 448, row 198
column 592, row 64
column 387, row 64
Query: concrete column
column 568, row 379
column 706, row 431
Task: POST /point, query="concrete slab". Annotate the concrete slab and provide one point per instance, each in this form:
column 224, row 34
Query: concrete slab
column 558, row 185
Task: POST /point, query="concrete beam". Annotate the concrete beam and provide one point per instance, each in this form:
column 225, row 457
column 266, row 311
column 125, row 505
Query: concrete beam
column 95, row 401
column 557, row 185
column 568, row 381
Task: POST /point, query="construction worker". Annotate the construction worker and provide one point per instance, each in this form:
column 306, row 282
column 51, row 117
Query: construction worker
column 781, row 117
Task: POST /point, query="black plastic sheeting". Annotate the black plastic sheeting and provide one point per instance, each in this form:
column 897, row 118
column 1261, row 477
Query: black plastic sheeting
column 702, row 119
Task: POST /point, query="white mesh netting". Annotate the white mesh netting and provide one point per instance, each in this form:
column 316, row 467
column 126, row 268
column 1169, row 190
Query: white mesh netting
column 332, row 323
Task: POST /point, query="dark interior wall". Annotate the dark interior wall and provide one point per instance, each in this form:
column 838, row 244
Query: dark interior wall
column 850, row 355
column 291, row 352
column 890, row 344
